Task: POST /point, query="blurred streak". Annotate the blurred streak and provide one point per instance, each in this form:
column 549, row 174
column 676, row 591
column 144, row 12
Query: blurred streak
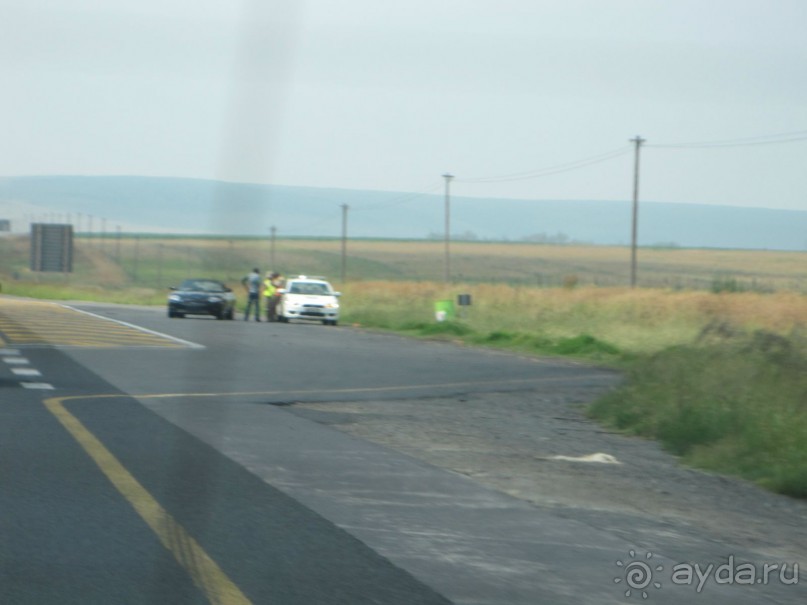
column 260, row 87
column 260, row 83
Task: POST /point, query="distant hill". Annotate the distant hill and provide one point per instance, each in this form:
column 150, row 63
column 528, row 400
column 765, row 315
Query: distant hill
column 181, row 205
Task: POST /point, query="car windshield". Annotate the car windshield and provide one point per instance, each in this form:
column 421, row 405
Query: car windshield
column 315, row 289
column 505, row 302
column 201, row 285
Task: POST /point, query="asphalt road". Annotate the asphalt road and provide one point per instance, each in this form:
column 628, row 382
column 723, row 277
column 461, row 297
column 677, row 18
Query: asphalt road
column 175, row 471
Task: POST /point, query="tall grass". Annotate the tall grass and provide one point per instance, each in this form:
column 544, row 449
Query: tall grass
column 633, row 321
column 735, row 404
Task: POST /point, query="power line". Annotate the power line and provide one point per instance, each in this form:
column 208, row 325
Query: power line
column 550, row 170
column 330, row 218
column 770, row 139
column 403, row 199
column 327, row 219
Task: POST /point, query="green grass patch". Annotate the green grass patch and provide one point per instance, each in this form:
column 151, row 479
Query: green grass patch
column 440, row 328
column 735, row 403
column 582, row 346
column 63, row 292
column 585, row 345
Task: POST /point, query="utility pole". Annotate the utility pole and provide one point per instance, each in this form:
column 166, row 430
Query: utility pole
column 273, row 231
column 136, row 258
column 344, row 242
column 637, row 141
column 447, row 265
column 160, row 265
column 117, row 246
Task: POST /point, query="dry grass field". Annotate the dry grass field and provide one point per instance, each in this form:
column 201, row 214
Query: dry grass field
column 156, row 261
column 552, row 265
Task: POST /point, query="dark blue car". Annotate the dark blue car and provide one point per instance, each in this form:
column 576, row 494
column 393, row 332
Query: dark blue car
column 201, row 297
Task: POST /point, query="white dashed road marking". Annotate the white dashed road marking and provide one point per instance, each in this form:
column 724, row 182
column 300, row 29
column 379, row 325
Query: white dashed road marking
column 12, row 357
column 598, row 457
column 16, row 361
column 26, row 372
column 37, row 385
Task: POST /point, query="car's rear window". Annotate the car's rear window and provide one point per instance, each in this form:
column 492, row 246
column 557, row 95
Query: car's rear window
column 308, row 288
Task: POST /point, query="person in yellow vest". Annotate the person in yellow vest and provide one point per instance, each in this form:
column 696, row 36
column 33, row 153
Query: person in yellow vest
column 269, row 294
column 271, row 291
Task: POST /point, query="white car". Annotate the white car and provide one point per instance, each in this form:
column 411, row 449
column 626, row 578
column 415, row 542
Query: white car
column 310, row 298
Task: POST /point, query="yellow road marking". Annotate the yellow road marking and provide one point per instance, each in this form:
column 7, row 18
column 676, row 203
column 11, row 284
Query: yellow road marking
column 204, row 571
column 206, row 574
column 33, row 322
column 362, row 389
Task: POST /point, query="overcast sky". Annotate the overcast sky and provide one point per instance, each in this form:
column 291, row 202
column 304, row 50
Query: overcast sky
column 390, row 95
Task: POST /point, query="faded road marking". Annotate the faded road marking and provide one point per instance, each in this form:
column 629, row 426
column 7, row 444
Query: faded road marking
column 37, row 323
column 204, row 571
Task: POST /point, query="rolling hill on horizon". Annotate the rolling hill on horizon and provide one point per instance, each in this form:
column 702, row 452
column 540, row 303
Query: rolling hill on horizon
column 196, row 206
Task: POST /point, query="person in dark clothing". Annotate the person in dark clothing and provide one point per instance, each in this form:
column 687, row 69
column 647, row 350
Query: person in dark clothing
column 252, row 284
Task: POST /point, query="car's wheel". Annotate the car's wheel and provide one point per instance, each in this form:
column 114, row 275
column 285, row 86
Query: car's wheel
column 231, row 313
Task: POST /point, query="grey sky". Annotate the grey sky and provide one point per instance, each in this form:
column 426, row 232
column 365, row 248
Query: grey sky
column 389, row 95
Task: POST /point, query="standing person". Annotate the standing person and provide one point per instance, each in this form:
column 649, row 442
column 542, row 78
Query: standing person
column 273, row 294
column 279, row 283
column 252, row 284
column 269, row 294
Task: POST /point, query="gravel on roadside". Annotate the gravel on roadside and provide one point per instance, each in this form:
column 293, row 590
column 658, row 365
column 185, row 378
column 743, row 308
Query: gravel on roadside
column 509, row 441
